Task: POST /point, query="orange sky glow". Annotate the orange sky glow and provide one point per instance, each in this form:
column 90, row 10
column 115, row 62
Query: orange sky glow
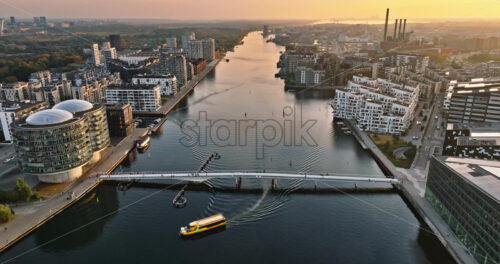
column 252, row 9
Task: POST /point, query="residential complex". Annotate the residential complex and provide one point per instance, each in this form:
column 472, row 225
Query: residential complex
column 167, row 83
column 377, row 105
column 55, row 144
column 142, row 97
column 466, row 194
column 172, row 64
column 11, row 111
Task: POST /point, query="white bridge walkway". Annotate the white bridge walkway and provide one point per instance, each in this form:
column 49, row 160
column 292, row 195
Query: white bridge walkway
column 202, row 176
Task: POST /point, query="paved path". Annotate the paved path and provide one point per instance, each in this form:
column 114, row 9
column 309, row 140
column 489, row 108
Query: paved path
column 30, row 216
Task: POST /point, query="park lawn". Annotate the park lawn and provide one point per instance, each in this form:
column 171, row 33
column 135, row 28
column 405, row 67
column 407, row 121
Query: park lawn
column 387, row 144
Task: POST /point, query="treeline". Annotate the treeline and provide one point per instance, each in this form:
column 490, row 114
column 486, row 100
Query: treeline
column 484, row 57
column 19, row 69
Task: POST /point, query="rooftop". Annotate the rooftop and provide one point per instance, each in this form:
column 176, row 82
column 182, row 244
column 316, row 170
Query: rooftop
column 73, row 106
column 129, row 86
column 484, row 174
column 49, row 117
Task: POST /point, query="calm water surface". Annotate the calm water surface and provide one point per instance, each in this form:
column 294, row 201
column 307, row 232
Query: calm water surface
column 370, row 225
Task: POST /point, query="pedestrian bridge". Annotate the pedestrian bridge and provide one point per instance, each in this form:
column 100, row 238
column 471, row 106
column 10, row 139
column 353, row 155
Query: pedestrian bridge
column 202, row 176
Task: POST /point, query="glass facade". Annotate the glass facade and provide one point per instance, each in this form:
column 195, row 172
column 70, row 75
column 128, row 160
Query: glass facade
column 98, row 128
column 60, row 147
column 50, row 149
column 473, row 215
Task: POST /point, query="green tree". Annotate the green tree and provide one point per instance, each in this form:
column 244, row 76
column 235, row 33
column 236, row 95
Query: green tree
column 5, row 214
column 23, row 189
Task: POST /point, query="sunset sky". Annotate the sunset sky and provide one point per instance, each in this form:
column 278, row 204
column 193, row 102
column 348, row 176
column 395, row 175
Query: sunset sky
column 251, row 9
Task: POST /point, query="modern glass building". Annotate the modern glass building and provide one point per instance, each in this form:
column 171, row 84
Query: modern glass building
column 466, row 193
column 55, row 144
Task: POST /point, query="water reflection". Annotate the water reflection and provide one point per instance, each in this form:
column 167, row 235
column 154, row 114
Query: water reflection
column 84, row 213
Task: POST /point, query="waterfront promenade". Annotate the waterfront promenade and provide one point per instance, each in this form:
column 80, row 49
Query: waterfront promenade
column 413, row 190
column 29, row 216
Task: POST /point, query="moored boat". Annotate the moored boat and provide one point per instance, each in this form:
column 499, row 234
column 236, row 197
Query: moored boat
column 143, row 143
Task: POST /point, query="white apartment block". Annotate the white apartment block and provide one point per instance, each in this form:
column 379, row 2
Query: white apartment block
column 96, row 54
column 377, row 106
column 167, row 83
column 208, row 49
column 140, row 97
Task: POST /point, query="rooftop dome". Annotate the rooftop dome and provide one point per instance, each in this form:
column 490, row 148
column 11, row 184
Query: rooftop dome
column 73, row 105
column 49, row 117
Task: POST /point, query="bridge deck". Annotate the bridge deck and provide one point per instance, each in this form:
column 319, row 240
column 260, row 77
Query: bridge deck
column 194, row 176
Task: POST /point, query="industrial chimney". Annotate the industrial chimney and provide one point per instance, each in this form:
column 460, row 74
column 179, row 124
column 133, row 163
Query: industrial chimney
column 386, row 22
column 399, row 29
column 404, row 29
column 395, row 29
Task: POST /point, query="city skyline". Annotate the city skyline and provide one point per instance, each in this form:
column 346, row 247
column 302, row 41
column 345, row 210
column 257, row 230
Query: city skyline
column 256, row 10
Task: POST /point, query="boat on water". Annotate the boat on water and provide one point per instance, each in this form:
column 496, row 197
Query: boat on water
column 227, row 60
column 203, row 225
column 340, row 123
column 143, row 143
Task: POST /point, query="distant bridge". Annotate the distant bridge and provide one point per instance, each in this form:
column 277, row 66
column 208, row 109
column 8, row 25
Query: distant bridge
column 202, row 176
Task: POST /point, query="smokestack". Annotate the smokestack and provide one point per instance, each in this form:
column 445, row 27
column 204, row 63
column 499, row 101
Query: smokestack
column 404, row 29
column 386, row 22
column 399, row 29
column 395, row 30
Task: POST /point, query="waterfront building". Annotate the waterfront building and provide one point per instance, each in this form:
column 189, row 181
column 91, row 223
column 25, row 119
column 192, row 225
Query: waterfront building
column 167, row 83
column 12, row 20
column 14, row 110
column 188, row 36
column 141, row 97
column 377, row 105
column 195, row 49
column 466, row 194
column 96, row 54
column 308, row 77
column 472, row 140
column 55, row 144
column 171, row 42
column 172, row 64
column 198, row 65
column 120, row 120
column 208, row 46
column 115, row 41
column 474, row 101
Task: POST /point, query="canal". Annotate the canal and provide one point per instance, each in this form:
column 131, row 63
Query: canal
column 293, row 132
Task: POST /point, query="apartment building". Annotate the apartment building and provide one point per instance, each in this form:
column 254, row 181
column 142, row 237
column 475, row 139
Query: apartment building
column 142, row 97
column 377, row 105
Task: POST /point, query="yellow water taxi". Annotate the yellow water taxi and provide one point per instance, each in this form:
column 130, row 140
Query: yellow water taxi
column 203, row 225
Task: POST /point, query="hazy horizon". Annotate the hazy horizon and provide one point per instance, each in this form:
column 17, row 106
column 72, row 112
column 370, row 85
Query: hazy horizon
column 182, row 10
